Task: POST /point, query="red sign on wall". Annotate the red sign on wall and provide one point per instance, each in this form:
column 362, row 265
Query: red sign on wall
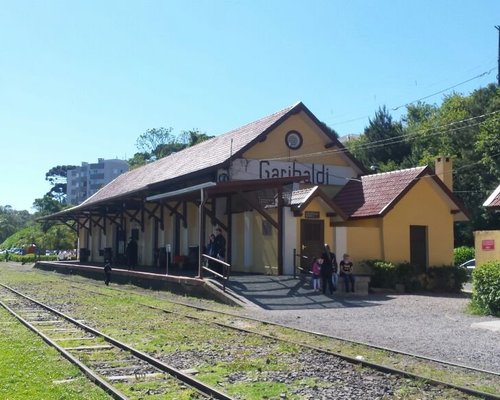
column 488, row 244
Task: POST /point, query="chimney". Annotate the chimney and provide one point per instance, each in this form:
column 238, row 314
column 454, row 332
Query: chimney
column 444, row 170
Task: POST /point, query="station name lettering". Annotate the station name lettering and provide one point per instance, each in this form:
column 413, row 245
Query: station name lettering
column 316, row 173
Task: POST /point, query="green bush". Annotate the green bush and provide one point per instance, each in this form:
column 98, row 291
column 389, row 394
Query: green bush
column 486, row 294
column 384, row 274
column 445, row 279
column 440, row 279
column 463, row 254
column 28, row 258
column 406, row 274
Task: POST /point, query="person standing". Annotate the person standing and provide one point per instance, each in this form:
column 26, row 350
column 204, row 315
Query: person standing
column 132, row 253
column 219, row 245
column 331, row 259
column 210, row 248
column 346, row 270
column 326, row 274
column 107, row 272
column 210, row 251
column 219, row 249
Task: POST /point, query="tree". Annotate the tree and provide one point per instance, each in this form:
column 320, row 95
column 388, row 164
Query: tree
column 56, row 237
column 158, row 143
column 47, row 205
column 59, row 237
column 57, row 177
column 466, row 129
column 138, row 160
column 12, row 220
column 382, row 144
column 153, row 140
column 193, row 137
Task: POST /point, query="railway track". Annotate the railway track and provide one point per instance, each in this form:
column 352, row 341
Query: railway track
column 109, row 363
column 230, row 321
column 267, row 330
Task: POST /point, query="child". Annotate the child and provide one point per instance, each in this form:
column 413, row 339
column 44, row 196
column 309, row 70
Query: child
column 316, row 270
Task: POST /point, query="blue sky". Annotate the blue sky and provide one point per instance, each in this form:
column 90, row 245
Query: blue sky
column 82, row 79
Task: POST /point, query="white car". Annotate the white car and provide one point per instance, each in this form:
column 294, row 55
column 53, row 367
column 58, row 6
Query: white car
column 469, row 265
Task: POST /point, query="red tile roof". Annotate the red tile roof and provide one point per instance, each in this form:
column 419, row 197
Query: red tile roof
column 206, row 155
column 494, row 200
column 375, row 194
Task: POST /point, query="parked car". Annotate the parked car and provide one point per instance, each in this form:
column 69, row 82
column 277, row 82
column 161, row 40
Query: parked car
column 469, row 265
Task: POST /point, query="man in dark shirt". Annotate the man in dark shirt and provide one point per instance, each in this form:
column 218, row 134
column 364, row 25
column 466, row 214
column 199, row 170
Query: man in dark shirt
column 219, row 245
column 331, row 268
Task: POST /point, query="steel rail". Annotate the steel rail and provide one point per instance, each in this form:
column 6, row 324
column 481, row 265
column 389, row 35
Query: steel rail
column 484, row 395
column 378, row 367
column 267, row 322
column 195, row 383
column 91, row 375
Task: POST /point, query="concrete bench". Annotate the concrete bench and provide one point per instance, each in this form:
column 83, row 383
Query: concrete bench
column 361, row 284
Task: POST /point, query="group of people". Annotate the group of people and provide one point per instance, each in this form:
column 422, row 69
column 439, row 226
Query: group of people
column 216, row 246
column 325, row 272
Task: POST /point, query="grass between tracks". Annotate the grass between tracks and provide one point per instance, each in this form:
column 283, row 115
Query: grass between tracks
column 29, row 369
column 169, row 336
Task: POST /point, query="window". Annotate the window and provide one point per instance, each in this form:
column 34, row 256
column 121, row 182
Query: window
column 267, row 229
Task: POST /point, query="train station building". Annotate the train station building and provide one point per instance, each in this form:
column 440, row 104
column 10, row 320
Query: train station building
column 279, row 188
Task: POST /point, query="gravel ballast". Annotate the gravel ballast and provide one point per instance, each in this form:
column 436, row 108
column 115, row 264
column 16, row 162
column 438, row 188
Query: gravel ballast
column 428, row 325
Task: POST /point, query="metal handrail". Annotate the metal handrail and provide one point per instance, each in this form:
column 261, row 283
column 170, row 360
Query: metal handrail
column 226, row 268
column 299, row 267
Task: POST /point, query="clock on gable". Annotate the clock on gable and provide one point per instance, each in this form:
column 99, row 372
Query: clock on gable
column 293, row 140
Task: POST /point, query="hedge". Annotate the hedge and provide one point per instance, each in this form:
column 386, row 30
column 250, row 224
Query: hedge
column 438, row 278
column 486, row 283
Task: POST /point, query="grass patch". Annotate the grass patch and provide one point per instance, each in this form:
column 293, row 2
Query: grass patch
column 30, row 369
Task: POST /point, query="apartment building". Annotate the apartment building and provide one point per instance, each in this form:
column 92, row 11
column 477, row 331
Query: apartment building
column 86, row 180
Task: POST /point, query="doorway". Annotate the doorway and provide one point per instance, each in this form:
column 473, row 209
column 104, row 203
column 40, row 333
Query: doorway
column 312, row 240
column 418, row 247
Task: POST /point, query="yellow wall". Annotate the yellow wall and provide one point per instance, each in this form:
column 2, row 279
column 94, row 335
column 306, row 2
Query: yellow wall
column 364, row 239
column 265, row 247
column 483, row 255
column 237, row 243
column 193, row 236
column 422, row 205
column 314, row 141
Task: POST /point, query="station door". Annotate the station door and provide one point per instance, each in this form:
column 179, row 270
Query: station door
column 312, row 240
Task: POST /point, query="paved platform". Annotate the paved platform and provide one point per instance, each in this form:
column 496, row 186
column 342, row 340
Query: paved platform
column 287, row 292
column 266, row 292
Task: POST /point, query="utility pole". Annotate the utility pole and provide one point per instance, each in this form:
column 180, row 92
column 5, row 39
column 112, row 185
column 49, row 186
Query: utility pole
column 498, row 70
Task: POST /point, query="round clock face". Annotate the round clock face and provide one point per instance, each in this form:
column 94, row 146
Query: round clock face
column 293, row 140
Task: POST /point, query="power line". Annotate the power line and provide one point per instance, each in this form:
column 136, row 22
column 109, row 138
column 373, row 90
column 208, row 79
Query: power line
column 444, row 90
column 400, row 138
column 425, row 97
